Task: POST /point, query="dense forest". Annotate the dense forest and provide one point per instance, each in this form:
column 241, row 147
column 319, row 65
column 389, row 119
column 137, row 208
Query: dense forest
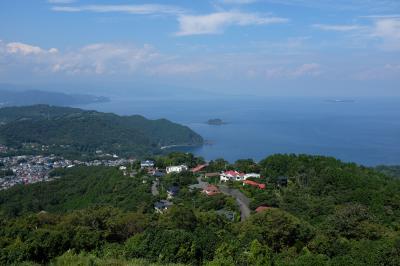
column 327, row 213
column 69, row 131
column 393, row 171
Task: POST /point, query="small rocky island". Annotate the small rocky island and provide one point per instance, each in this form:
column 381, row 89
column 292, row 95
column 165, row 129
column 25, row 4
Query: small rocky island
column 216, row 122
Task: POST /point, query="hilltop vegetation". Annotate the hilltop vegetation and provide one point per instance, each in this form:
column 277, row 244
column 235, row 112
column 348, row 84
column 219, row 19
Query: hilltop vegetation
column 66, row 131
column 330, row 213
column 393, row 171
column 78, row 188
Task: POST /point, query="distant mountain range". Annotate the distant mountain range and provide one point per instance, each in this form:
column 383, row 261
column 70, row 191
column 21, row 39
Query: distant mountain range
column 65, row 129
column 31, row 97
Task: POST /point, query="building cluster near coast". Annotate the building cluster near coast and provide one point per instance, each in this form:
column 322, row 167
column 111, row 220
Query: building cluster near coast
column 29, row 169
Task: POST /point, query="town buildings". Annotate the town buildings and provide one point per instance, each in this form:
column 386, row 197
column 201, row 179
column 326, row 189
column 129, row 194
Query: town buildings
column 176, row 169
column 30, row 169
column 211, row 190
column 236, row 176
column 147, row 164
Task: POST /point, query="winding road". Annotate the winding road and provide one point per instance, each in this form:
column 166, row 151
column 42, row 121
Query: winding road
column 242, row 201
column 154, row 188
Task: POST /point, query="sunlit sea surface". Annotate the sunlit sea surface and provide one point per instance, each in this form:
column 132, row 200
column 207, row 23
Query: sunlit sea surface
column 365, row 131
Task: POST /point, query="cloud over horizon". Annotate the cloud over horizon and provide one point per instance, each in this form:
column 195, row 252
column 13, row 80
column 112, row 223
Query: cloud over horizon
column 216, row 22
column 232, row 43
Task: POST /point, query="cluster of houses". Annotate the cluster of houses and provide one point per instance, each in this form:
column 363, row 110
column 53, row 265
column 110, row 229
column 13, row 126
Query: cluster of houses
column 210, row 190
column 28, row 169
column 241, row 177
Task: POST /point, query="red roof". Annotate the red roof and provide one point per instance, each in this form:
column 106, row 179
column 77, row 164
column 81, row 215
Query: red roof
column 198, row 168
column 211, row 190
column 233, row 173
column 254, row 184
column 262, row 208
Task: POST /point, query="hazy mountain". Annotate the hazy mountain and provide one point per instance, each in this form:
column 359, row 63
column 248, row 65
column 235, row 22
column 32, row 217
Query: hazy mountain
column 31, row 97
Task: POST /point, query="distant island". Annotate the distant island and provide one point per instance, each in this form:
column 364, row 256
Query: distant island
column 32, row 97
column 216, row 122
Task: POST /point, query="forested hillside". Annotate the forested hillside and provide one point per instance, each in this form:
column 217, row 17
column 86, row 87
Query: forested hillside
column 66, row 130
column 77, row 188
column 393, row 171
column 329, row 213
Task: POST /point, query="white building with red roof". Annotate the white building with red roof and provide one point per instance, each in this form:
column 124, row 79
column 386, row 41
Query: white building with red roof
column 231, row 176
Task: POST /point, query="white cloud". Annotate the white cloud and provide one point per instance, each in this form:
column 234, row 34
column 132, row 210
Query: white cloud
column 385, row 72
column 96, row 59
column 26, row 49
column 145, row 9
column 388, row 30
column 91, row 59
column 105, row 59
column 328, row 27
column 216, row 22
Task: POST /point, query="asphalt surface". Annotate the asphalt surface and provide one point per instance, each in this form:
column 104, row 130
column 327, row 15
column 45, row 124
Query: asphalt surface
column 154, row 188
column 242, row 201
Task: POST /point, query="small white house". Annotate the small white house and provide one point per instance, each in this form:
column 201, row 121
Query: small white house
column 146, row 164
column 231, row 176
column 176, row 169
column 251, row 175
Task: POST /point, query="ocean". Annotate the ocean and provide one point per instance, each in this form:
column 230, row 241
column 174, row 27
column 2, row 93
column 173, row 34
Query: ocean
column 365, row 130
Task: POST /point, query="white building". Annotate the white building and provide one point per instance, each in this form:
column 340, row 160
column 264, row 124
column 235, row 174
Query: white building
column 231, row 176
column 176, row 169
column 146, row 164
column 251, row 175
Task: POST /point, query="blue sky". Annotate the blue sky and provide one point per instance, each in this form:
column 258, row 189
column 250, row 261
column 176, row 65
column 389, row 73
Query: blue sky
column 256, row 47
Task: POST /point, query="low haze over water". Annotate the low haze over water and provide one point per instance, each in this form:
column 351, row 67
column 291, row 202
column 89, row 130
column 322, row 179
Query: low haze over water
column 366, row 131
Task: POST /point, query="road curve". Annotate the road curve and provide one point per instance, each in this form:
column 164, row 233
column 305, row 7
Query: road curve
column 242, row 201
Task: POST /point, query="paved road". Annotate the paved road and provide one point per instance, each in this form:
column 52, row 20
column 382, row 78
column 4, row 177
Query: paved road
column 241, row 200
column 154, row 188
column 200, row 184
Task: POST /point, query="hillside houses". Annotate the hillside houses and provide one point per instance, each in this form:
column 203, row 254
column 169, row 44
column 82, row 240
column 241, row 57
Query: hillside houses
column 172, row 192
column 236, row 176
column 211, row 190
column 162, row 206
column 199, row 168
column 147, row 164
column 254, row 184
column 176, row 169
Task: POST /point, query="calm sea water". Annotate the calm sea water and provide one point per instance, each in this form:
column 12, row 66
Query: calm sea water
column 366, row 131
